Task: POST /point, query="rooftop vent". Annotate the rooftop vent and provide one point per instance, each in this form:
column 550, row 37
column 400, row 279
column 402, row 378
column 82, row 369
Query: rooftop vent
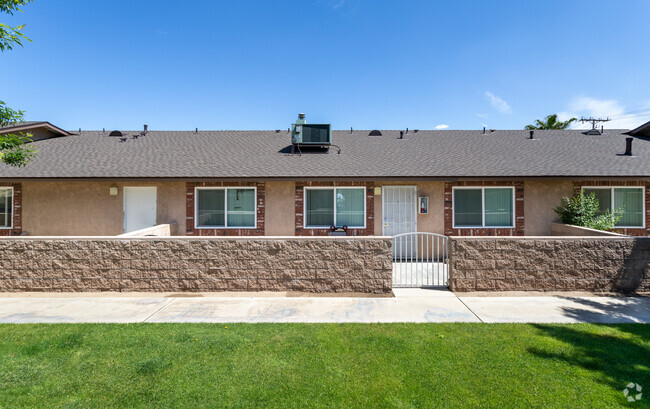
column 628, row 146
column 532, row 135
column 115, row 133
column 374, row 133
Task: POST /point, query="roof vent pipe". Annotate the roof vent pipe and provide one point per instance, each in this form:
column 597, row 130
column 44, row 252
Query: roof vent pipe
column 301, row 119
column 401, row 134
column 483, row 130
column 628, row 146
column 532, row 135
column 145, row 128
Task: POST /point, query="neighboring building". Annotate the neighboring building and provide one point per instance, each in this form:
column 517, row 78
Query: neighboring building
column 254, row 183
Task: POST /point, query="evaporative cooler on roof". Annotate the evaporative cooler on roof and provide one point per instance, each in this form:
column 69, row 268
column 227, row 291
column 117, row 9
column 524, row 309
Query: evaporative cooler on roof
column 303, row 133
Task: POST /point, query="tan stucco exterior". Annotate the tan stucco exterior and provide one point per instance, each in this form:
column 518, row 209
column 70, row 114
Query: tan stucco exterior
column 280, row 212
column 433, row 222
column 87, row 208
column 540, row 198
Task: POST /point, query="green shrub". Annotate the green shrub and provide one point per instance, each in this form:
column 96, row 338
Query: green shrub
column 584, row 210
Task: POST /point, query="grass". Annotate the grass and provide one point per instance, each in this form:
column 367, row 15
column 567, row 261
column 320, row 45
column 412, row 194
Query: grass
column 322, row 365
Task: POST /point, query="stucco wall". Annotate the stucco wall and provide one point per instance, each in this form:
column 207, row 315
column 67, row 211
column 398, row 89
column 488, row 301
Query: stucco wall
column 432, row 222
column 280, row 209
column 312, row 264
column 87, row 209
column 540, row 200
column 549, row 264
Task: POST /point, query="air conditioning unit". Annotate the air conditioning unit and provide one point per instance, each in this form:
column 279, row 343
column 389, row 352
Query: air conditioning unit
column 303, row 133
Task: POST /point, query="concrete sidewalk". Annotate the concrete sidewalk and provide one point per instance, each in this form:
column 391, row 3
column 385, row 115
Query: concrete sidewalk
column 408, row 305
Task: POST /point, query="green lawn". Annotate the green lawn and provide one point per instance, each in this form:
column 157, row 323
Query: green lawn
column 322, row 365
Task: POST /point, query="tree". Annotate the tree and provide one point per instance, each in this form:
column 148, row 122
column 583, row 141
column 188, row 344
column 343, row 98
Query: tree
column 551, row 122
column 584, row 210
column 14, row 150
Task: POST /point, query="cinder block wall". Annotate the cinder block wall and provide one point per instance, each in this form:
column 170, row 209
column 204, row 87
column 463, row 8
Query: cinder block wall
column 550, row 264
column 318, row 264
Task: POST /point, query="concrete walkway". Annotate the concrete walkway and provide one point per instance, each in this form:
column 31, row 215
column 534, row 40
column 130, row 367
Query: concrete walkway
column 408, row 305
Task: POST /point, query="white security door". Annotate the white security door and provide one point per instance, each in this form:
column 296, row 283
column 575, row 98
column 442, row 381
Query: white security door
column 139, row 208
column 399, row 212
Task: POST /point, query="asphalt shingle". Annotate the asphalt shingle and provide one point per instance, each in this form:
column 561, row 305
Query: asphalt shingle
column 261, row 154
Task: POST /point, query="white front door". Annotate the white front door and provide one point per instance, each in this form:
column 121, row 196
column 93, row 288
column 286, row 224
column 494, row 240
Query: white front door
column 139, row 208
column 399, row 211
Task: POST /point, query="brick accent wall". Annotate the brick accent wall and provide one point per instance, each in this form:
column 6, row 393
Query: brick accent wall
column 370, row 209
column 17, row 225
column 518, row 230
column 550, row 264
column 311, row 264
column 223, row 231
column 578, row 185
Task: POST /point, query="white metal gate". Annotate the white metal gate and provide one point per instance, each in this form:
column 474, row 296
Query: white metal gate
column 399, row 211
column 420, row 260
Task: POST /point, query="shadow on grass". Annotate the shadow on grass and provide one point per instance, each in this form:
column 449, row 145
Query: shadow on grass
column 614, row 354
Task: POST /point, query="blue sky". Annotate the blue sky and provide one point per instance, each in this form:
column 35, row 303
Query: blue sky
column 365, row 63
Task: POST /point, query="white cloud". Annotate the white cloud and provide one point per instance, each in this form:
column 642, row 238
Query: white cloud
column 441, row 126
column 606, row 108
column 498, row 103
column 484, row 116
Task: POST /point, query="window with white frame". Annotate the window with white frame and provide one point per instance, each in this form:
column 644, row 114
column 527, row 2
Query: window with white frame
column 630, row 200
column 483, row 207
column 341, row 206
column 6, row 207
column 225, row 207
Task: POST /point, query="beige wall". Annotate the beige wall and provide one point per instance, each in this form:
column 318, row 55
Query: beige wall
column 86, row 208
column 540, row 198
column 433, row 222
column 280, row 211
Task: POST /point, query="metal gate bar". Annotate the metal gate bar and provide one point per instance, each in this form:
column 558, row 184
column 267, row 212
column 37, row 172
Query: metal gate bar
column 420, row 260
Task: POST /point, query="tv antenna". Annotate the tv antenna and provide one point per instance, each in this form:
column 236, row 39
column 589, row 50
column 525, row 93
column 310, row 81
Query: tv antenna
column 594, row 121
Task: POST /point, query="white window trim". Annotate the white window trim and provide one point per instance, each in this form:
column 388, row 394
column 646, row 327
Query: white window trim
column 482, row 188
column 612, row 203
column 11, row 222
column 225, row 189
column 334, row 188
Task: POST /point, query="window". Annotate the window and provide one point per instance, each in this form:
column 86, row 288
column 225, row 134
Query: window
column 335, row 206
column 483, row 207
column 628, row 199
column 6, row 207
column 225, row 207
